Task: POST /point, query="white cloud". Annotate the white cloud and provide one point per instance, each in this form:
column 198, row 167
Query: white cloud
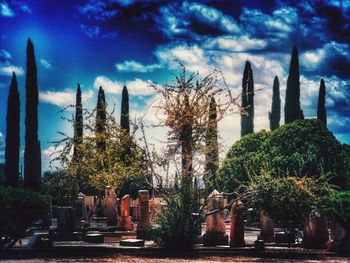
column 134, row 66
column 8, row 70
column 63, row 98
column 136, row 87
column 45, row 64
column 5, row 10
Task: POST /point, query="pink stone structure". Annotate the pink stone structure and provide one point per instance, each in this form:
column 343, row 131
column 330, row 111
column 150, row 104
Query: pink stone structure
column 110, row 206
column 215, row 231
column 125, row 219
column 315, row 233
column 144, row 223
column 237, row 225
column 267, row 227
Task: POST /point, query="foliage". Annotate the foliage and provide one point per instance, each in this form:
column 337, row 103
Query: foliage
column 243, row 158
column 32, row 176
column 212, row 151
column 124, row 113
column 289, row 200
column 321, row 106
column 19, row 207
column 346, row 158
column 339, row 210
column 292, row 110
column 12, row 135
column 62, row 187
column 133, row 184
column 304, row 147
column 78, row 124
column 247, row 118
column 275, row 114
column 178, row 226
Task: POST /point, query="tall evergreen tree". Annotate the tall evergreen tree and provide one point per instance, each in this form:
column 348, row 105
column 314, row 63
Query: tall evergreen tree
column 275, row 114
column 321, row 107
column 292, row 110
column 12, row 135
column 101, row 116
column 32, row 176
column 124, row 116
column 78, row 125
column 247, row 119
column 212, row 146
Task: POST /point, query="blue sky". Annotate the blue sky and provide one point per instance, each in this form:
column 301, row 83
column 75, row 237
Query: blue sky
column 132, row 42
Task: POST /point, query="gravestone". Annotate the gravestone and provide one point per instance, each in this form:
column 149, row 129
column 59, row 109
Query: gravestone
column 110, row 206
column 80, row 207
column 65, row 218
column 315, row 232
column 267, row 227
column 144, row 223
column 125, row 219
column 215, row 230
column 237, row 225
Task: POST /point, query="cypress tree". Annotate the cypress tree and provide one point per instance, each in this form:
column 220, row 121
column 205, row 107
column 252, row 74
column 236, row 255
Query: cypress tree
column 101, row 119
column 32, row 177
column 292, row 110
column 12, row 135
column 275, row 114
column 212, row 151
column 124, row 116
column 78, row 127
column 247, row 119
column 39, row 160
column 321, row 107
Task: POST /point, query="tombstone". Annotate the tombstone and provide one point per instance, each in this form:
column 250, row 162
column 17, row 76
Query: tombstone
column 340, row 238
column 267, row 227
column 80, row 207
column 237, row 225
column 215, row 230
column 144, row 224
column 315, row 232
column 125, row 219
column 110, row 205
column 65, row 218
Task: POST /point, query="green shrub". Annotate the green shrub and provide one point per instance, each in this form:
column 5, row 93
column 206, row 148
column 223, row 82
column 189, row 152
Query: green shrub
column 19, row 207
column 179, row 225
column 290, row 200
column 303, row 147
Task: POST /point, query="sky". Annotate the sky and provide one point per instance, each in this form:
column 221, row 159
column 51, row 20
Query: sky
column 110, row 43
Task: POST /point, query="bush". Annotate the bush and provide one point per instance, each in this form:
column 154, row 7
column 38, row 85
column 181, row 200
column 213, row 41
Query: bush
column 303, row 147
column 62, row 187
column 290, row 200
column 179, row 225
column 19, row 207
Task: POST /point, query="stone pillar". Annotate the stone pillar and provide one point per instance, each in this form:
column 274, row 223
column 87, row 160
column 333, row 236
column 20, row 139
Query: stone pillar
column 267, row 227
column 315, row 232
column 144, row 224
column 110, row 204
column 65, row 218
column 215, row 230
column 125, row 213
column 237, row 225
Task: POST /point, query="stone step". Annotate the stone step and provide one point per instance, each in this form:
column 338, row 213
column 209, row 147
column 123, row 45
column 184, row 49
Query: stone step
column 132, row 243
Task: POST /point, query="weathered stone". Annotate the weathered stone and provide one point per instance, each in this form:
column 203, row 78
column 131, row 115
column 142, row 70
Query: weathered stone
column 215, row 230
column 80, row 207
column 267, row 228
column 94, row 238
column 340, row 238
column 110, row 205
column 144, row 223
column 65, row 218
column 237, row 225
column 132, row 243
column 125, row 219
column 315, row 232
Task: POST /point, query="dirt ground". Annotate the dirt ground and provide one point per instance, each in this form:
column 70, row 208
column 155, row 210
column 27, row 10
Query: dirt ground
column 132, row 259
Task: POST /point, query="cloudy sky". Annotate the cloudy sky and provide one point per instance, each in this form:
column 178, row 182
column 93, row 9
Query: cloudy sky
column 132, row 42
